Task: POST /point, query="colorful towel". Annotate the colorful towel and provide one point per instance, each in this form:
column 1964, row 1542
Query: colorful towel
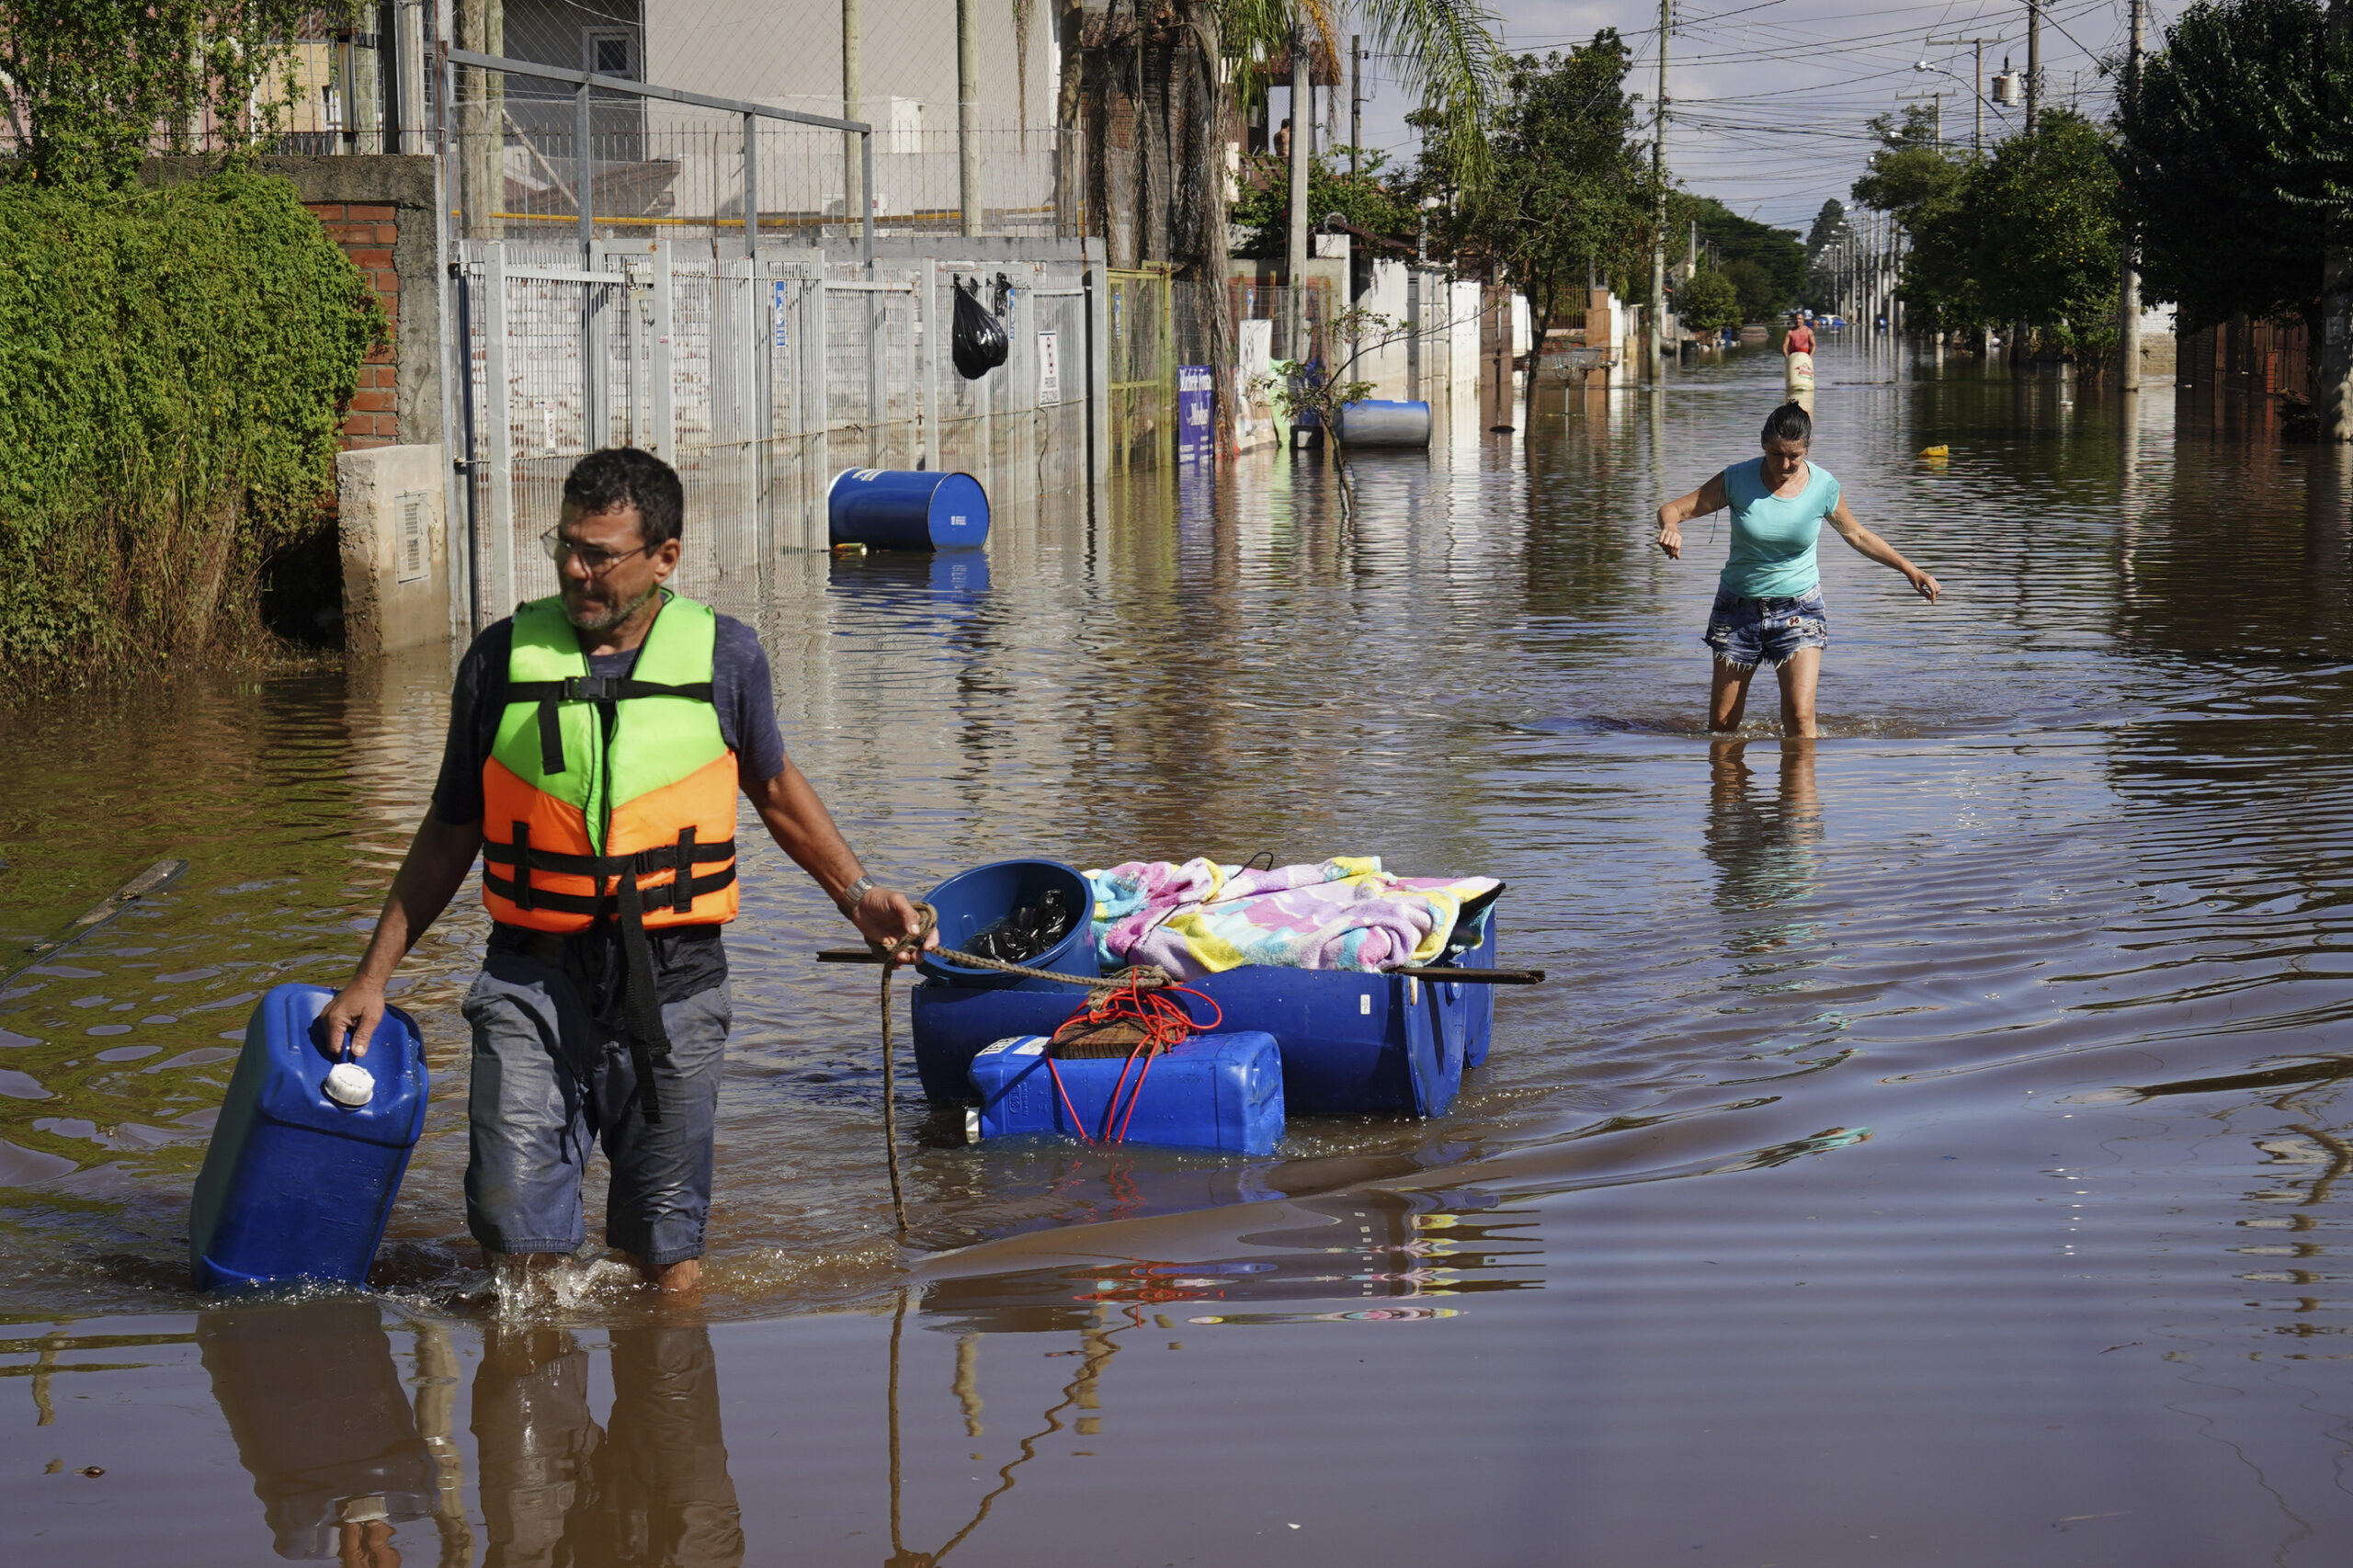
column 1346, row 913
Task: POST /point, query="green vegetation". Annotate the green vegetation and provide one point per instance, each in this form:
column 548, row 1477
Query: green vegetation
column 2031, row 234
column 1707, row 302
column 174, row 364
column 2234, row 163
column 1364, row 199
column 1767, row 265
column 1568, row 193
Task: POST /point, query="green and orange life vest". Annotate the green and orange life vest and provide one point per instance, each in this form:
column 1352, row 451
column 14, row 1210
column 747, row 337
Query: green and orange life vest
column 609, row 797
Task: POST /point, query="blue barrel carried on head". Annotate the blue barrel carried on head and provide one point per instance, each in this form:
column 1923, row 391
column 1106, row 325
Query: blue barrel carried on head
column 1374, row 423
column 299, row 1180
column 884, row 508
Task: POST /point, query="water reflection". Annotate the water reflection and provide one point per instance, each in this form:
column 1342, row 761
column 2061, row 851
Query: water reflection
column 1767, row 851
column 321, row 1422
column 650, row 1486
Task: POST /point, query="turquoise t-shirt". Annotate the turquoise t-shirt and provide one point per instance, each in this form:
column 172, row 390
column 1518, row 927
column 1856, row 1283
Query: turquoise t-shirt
column 1773, row 536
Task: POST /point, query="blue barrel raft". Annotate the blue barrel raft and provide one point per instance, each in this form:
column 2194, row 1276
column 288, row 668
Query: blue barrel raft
column 888, row 508
column 298, row 1183
column 1372, row 423
column 1352, row 1043
column 1213, row 1091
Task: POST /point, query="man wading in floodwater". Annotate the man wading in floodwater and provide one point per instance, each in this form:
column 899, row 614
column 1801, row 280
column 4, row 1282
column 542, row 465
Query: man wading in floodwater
column 597, row 743
column 1769, row 601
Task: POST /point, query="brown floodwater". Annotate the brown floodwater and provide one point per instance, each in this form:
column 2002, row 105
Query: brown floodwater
column 1932, row 1146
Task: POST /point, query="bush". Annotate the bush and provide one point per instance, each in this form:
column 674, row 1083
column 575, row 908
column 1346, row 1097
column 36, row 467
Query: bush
column 1707, row 301
column 174, row 367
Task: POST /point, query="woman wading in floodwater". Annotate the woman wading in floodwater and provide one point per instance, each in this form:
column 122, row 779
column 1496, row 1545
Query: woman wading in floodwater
column 1769, row 602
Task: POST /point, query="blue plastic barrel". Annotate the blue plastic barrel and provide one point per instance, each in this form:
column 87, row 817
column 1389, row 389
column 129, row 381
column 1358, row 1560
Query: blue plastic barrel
column 1374, row 423
column 970, row 902
column 1213, row 1091
column 295, row 1186
column 889, row 508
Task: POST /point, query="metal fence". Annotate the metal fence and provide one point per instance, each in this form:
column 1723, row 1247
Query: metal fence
column 758, row 378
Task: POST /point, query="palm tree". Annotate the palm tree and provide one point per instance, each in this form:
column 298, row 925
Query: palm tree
column 1152, row 86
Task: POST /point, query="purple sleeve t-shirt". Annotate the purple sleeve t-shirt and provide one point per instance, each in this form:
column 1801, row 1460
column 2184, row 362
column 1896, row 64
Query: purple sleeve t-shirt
column 741, row 689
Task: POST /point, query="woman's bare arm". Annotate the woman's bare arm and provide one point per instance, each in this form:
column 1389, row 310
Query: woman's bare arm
column 1710, row 497
column 1869, row 544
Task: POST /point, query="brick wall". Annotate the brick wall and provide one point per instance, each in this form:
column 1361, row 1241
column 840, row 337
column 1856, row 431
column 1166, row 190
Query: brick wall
column 369, row 233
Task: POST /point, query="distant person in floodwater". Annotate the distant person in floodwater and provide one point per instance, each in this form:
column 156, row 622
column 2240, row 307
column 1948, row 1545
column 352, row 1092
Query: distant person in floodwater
column 1799, row 339
column 1769, row 601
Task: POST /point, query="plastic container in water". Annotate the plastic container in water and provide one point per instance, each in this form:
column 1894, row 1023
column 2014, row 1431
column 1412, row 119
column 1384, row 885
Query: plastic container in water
column 295, row 1184
column 970, row 902
column 886, row 508
column 1213, row 1091
column 1352, row 1043
column 1372, row 423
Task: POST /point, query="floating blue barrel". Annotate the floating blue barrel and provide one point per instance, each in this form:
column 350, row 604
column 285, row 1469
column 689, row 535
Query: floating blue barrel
column 1372, row 423
column 889, row 508
column 296, row 1183
column 1213, row 1091
column 972, row 901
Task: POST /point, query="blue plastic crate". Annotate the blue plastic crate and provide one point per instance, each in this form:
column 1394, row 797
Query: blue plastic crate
column 294, row 1186
column 1213, row 1091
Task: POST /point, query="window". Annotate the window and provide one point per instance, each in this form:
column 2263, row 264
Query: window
column 610, row 51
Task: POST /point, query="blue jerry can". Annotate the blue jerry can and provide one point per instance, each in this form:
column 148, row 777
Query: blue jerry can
column 1213, row 1091
column 296, row 1186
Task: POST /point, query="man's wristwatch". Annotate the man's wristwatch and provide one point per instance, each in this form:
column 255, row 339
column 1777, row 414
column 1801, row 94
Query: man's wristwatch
column 855, row 894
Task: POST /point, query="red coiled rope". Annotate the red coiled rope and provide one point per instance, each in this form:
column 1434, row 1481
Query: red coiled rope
column 1163, row 1021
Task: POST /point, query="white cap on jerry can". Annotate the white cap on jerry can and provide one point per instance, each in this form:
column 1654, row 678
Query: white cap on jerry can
column 349, row 1083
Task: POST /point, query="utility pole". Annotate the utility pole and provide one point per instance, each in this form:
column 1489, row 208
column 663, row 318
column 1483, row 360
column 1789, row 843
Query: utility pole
column 1295, row 271
column 2128, row 334
column 2334, row 401
column 2033, row 62
column 1976, row 90
column 853, row 101
column 1356, row 98
column 1658, row 225
column 968, row 111
column 1936, row 101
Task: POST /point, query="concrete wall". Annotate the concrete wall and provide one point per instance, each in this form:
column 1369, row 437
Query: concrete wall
column 395, row 589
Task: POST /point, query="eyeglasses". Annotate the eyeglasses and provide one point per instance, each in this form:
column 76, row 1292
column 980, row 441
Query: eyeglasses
column 596, row 562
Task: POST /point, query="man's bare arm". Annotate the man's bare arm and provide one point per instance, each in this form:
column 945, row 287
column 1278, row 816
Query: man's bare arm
column 435, row 869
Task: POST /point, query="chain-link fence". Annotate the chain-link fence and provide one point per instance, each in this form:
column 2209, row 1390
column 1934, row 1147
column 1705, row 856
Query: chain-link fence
column 758, row 379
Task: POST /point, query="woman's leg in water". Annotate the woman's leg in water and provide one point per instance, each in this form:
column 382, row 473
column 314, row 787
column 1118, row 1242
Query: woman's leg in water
column 1799, row 672
column 1729, row 694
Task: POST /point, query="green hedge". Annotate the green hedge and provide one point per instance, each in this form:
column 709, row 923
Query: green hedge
column 174, row 367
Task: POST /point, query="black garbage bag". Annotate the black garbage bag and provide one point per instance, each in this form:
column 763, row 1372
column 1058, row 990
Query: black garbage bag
column 1030, row 929
column 979, row 341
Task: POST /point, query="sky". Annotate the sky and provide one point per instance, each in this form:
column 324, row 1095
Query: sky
column 1767, row 101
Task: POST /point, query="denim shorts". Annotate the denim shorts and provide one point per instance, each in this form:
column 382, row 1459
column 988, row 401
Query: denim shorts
column 550, row 1082
column 1745, row 631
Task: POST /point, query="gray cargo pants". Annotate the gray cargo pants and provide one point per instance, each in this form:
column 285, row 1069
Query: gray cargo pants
column 549, row 1082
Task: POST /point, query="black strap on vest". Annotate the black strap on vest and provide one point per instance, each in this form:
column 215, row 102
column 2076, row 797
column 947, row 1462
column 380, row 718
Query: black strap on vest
column 649, row 1041
column 588, row 689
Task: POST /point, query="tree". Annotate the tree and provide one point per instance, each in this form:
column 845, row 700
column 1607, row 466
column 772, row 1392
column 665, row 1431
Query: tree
column 1773, row 253
column 1262, row 207
column 1708, row 302
column 1828, row 225
column 92, row 85
column 2032, row 235
column 1910, row 175
column 1569, row 194
column 1758, row 295
column 2237, row 160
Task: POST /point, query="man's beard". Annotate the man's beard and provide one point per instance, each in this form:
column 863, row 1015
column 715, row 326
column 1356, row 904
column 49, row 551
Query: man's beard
column 605, row 620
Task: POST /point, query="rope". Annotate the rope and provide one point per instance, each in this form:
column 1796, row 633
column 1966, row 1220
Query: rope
column 1124, row 994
